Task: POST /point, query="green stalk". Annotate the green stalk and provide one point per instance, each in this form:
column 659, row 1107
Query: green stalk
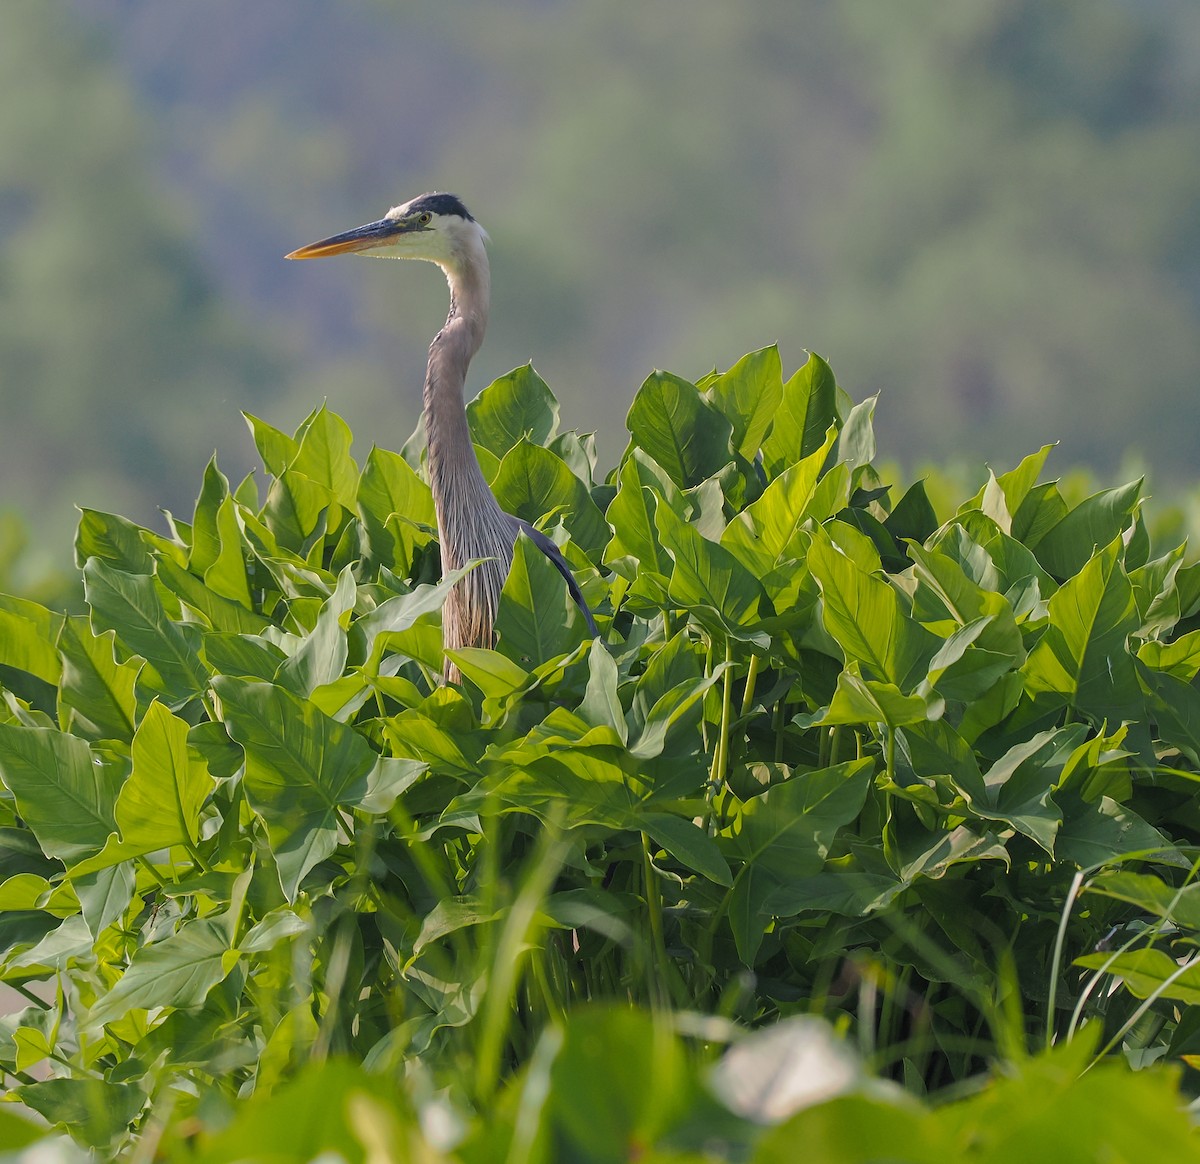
column 751, row 679
column 661, row 975
column 145, row 864
column 720, row 762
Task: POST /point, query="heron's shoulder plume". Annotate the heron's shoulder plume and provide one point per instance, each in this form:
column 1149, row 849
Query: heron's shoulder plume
column 444, row 204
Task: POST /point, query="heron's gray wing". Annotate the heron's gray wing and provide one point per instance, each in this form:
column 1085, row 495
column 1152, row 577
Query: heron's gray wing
column 552, row 552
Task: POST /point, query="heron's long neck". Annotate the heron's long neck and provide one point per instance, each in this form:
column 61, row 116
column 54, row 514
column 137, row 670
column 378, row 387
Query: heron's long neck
column 453, row 465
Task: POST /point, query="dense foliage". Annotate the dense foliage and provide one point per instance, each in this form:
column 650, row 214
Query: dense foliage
column 931, row 777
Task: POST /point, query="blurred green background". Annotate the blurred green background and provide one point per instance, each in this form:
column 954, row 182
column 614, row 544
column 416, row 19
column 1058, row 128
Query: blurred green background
column 986, row 210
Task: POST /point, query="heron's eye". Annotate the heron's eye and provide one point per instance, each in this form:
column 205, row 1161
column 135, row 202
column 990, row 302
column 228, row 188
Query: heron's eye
column 425, row 219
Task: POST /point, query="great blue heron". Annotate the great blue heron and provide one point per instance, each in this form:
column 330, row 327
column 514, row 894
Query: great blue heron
column 439, row 229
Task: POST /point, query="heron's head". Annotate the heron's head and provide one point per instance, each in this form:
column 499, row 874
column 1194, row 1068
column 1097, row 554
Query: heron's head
column 435, row 227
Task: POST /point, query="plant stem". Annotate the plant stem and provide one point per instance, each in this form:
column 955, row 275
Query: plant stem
column 658, row 980
column 720, row 762
column 751, row 679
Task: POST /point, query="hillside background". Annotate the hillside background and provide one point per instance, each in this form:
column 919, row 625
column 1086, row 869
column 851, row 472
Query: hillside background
column 986, row 211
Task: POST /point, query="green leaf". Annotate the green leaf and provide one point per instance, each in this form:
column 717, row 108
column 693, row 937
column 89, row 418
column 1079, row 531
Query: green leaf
column 64, row 795
column 1071, row 542
column 159, row 804
column 1003, row 496
column 708, row 580
column 865, row 617
column 784, row 834
column 92, row 1110
column 223, row 614
column 177, row 972
column 533, row 483
column 1083, row 656
column 324, row 456
column 807, row 412
column 866, row 701
column 27, row 638
column 749, row 396
column 321, row 656
column 1146, row 972
column 114, row 540
column 637, row 1105
column 301, row 765
column 537, row 618
column 671, row 422
column 518, row 406
column 129, row 605
column 276, row 448
column 635, row 547
column 601, row 704
column 389, row 487
column 691, row 846
column 1107, row 831
column 767, row 532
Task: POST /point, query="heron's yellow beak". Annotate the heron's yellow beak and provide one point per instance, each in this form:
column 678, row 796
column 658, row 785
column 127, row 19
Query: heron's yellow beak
column 361, row 238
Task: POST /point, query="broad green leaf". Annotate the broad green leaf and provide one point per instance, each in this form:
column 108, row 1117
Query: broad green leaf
column 278, row 925
column 222, row 614
column 1070, row 543
column 856, row 441
column 808, row 410
column 1083, row 656
column 635, row 546
column 247, row 656
column 533, row 483
column 1020, row 783
column 867, row 701
column 537, row 619
column 494, row 674
column 518, row 406
column 321, row 656
column 114, row 540
column 1151, row 894
column 294, row 509
column 206, row 539
column 601, row 704
column 1176, row 708
column 690, row 845
column 1003, row 496
column 1041, row 510
column 226, row 574
column 945, row 594
column 767, row 532
column 301, row 765
column 707, row 579
column 387, row 489
column 159, row 804
column 129, row 605
column 63, row 793
column 27, row 638
column 784, row 834
column 864, row 615
column 93, row 1110
column 749, row 396
column 1180, row 658
column 276, row 448
column 1147, row 972
column 671, row 422
column 324, row 456
column 1107, row 831
column 105, row 895
column 177, row 971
